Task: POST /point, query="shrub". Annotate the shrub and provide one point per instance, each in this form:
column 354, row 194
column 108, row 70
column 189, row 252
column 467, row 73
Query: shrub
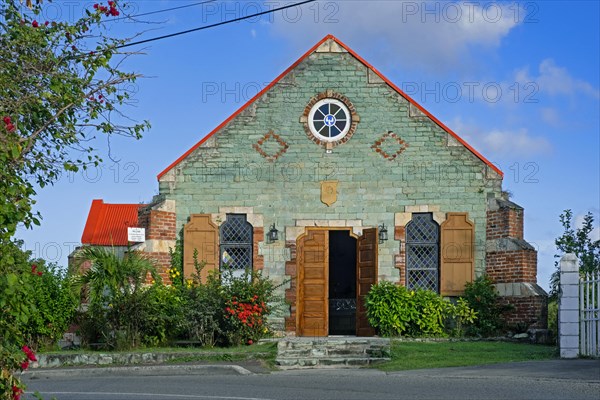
column 55, row 303
column 247, row 299
column 120, row 310
column 394, row 310
column 202, row 310
column 482, row 296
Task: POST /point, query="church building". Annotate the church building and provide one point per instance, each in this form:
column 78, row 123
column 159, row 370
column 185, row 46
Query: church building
column 332, row 179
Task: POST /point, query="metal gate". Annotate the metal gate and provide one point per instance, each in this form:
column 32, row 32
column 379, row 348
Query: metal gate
column 589, row 319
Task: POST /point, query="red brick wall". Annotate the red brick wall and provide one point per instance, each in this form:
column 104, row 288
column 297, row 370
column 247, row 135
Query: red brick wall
column 400, row 258
column 512, row 266
column 258, row 235
column 532, row 312
column 163, row 263
column 160, row 225
column 290, row 294
column 505, row 222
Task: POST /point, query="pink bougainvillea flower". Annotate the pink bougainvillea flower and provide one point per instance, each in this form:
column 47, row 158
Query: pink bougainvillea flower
column 24, row 365
column 35, row 24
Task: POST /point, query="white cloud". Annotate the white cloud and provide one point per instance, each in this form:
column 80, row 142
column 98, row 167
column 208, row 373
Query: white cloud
column 502, row 142
column 517, row 143
column 550, row 116
column 430, row 34
column 556, row 81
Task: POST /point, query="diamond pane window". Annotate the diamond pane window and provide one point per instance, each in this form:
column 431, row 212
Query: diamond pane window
column 236, row 242
column 422, row 253
column 329, row 120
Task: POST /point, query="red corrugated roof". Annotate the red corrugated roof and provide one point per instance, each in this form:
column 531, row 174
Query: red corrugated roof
column 359, row 58
column 107, row 224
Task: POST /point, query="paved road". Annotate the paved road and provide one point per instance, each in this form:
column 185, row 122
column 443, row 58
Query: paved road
column 546, row 380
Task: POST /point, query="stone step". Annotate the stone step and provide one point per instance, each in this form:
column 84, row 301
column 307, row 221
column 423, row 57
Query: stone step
column 345, row 352
column 327, row 362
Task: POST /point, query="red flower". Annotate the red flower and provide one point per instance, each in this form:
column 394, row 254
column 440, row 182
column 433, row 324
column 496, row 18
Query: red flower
column 24, row 365
column 10, row 127
column 30, row 354
column 96, row 6
column 250, row 341
column 39, row 273
column 47, row 23
column 35, row 24
column 16, row 392
column 6, row 120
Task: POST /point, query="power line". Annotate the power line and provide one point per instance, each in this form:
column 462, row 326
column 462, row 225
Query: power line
column 215, row 25
column 162, row 11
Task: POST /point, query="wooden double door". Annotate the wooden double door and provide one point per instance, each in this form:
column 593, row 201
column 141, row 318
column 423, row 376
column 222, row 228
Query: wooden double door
column 332, row 284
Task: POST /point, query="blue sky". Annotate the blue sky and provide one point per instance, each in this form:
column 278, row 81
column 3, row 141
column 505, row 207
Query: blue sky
column 518, row 81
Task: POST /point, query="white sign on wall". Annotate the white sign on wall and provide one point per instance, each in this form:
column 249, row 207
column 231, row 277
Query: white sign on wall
column 136, row 234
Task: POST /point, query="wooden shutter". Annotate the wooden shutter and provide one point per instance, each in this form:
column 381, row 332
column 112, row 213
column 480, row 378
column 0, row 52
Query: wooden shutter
column 457, row 253
column 200, row 234
column 366, row 275
column 313, row 272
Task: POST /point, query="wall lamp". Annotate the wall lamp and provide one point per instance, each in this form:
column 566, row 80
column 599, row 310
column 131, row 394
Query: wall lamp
column 273, row 234
column 383, row 233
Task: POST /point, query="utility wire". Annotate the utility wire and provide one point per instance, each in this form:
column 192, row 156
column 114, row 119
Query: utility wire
column 215, row 25
column 162, row 11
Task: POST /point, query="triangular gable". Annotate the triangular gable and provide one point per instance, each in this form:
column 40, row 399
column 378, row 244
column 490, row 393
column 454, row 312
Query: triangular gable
column 366, row 64
column 107, row 224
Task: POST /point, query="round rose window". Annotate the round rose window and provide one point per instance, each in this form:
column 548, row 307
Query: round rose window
column 329, row 120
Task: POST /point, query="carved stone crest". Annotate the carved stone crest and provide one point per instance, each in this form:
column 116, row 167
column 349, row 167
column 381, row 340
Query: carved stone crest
column 329, row 192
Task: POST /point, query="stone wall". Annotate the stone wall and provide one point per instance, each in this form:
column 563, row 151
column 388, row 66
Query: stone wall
column 397, row 161
column 432, row 170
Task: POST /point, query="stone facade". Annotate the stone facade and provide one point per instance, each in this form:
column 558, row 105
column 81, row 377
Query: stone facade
column 399, row 160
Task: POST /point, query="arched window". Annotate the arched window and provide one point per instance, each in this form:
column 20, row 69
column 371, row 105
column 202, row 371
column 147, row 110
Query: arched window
column 422, row 253
column 236, row 244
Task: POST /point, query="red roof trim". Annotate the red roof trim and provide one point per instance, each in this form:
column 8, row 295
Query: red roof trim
column 362, row 60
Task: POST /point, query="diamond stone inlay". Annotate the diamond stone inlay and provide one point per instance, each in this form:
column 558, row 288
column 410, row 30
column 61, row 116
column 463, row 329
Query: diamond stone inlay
column 393, row 148
column 271, row 146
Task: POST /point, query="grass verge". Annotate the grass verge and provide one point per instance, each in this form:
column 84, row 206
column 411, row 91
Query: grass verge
column 420, row 355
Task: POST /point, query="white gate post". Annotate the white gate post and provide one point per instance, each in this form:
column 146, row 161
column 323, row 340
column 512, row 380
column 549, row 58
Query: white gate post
column 568, row 308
